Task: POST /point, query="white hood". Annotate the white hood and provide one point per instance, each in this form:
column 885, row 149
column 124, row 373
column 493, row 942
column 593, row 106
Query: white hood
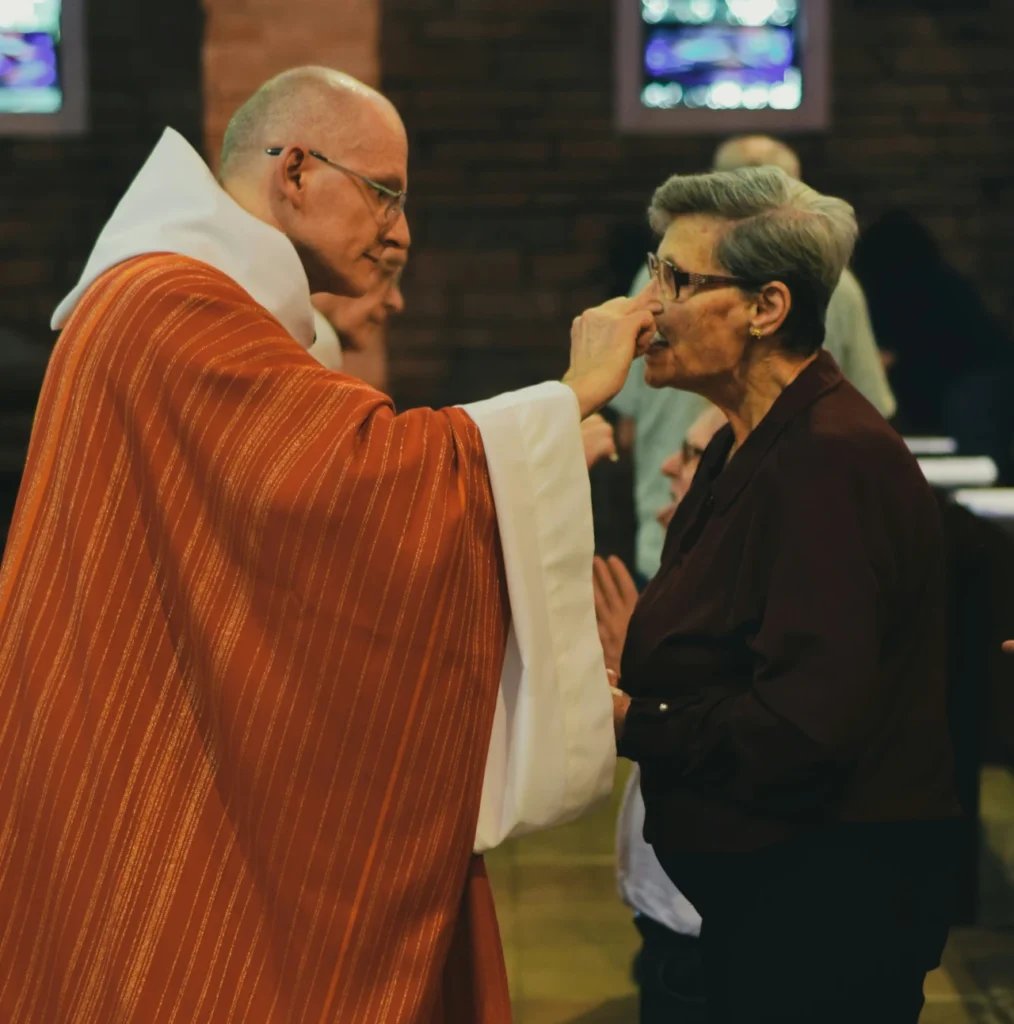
column 176, row 205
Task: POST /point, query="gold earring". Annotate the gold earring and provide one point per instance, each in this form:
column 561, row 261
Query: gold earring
column 755, row 332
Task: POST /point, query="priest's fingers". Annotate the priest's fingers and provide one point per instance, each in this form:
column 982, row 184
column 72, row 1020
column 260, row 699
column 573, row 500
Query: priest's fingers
column 646, row 332
column 646, row 299
column 625, row 585
column 1008, row 647
column 622, row 307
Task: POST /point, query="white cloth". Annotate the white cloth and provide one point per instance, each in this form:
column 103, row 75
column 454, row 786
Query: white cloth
column 641, row 880
column 953, row 471
column 552, row 753
column 326, row 347
column 176, row 205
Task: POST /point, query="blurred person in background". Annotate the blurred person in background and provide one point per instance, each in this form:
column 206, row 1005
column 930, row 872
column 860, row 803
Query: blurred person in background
column 951, row 362
column 680, row 467
column 782, row 682
column 351, row 332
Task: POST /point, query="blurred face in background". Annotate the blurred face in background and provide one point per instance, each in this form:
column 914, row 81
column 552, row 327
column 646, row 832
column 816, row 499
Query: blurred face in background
column 361, row 322
column 681, row 466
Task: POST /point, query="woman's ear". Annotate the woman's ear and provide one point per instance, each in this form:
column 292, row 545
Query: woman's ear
column 771, row 308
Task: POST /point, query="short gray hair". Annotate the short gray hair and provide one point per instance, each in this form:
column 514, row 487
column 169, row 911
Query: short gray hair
column 781, row 230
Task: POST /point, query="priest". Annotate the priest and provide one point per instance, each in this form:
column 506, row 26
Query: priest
column 276, row 662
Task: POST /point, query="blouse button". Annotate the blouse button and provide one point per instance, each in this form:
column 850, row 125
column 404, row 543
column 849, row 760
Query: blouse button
column 663, row 707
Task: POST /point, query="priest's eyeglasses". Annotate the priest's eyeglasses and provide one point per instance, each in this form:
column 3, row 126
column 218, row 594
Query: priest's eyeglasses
column 394, row 200
column 672, row 280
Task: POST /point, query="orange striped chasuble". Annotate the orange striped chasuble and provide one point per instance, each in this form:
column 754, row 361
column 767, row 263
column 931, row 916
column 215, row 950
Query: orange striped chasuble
column 251, row 631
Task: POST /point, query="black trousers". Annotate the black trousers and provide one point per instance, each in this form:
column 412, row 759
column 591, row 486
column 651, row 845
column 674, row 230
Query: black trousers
column 839, row 928
column 669, row 975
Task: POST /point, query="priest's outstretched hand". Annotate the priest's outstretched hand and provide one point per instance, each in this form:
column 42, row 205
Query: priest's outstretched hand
column 603, row 343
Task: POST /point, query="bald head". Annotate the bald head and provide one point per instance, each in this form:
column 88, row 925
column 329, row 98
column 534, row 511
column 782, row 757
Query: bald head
column 756, row 151
column 325, row 107
column 324, row 159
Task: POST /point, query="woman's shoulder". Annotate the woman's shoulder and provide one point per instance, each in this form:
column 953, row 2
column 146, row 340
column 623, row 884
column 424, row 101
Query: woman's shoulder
column 843, row 435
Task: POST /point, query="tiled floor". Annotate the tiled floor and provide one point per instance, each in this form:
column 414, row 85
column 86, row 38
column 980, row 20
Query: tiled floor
column 569, row 941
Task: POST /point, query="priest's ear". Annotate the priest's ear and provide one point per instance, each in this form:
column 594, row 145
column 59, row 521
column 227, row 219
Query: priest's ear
column 291, row 170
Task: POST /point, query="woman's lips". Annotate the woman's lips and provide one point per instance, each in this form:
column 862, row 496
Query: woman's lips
column 658, row 343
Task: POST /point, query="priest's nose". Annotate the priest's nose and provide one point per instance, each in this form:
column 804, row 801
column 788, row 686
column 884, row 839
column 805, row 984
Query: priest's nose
column 396, row 233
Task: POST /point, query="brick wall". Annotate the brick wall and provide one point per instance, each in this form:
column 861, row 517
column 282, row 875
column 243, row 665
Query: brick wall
column 146, row 64
column 248, row 41
column 55, row 194
column 521, row 192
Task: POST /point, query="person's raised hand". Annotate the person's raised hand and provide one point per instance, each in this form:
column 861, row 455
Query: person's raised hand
column 598, row 439
column 615, row 598
column 621, row 705
column 603, row 343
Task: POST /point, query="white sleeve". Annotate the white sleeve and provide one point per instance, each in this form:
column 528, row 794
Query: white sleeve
column 552, row 753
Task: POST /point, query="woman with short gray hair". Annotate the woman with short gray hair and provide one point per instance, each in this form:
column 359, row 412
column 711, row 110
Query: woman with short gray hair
column 782, row 682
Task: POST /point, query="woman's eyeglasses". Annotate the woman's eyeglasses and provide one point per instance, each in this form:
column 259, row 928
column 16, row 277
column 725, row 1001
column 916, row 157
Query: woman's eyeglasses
column 672, row 280
column 394, row 200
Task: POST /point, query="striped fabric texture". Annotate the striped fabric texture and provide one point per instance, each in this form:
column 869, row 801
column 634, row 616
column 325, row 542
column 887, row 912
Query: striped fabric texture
column 251, row 630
